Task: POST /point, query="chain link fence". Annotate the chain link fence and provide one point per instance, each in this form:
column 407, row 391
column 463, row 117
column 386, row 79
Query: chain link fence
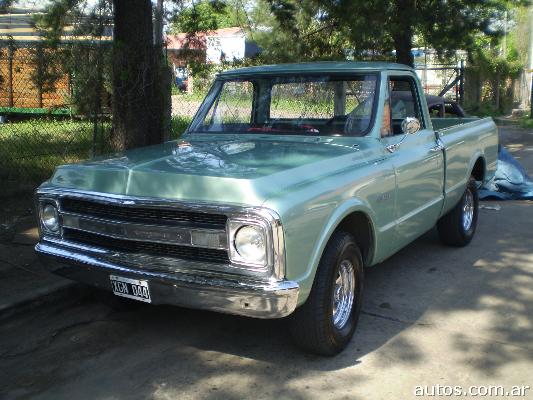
column 443, row 80
column 43, row 123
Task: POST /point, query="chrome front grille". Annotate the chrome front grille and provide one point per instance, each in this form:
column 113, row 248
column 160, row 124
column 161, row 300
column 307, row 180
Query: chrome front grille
column 141, row 229
column 149, row 248
column 150, row 234
column 139, row 214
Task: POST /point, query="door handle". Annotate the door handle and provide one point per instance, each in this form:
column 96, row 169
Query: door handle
column 438, row 147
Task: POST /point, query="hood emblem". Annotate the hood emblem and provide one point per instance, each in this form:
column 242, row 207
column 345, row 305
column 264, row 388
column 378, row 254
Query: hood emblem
column 183, row 144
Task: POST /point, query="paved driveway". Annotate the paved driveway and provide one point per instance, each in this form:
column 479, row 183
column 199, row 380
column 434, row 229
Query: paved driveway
column 433, row 315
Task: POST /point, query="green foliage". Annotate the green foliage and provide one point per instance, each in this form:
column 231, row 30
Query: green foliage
column 208, row 15
column 495, row 62
column 179, row 124
column 526, row 122
column 204, row 16
column 519, row 36
column 52, row 22
column 47, row 68
column 329, row 29
column 485, row 108
column 291, row 31
column 90, row 80
column 5, row 4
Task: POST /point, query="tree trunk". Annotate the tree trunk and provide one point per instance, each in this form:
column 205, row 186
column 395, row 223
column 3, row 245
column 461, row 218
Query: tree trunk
column 164, row 71
column 402, row 31
column 403, row 42
column 497, row 92
column 138, row 109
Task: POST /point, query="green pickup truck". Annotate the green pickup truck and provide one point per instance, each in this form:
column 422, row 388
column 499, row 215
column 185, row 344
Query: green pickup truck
column 288, row 182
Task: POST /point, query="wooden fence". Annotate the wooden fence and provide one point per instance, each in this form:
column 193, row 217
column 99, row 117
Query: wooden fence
column 23, row 82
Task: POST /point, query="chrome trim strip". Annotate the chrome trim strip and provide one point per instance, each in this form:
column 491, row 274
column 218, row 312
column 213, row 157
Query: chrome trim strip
column 259, row 299
column 213, row 238
column 147, row 262
column 411, row 214
column 458, row 185
column 277, row 269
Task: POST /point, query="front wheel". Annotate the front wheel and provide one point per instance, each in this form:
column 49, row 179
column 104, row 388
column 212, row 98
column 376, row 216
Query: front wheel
column 457, row 228
column 326, row 322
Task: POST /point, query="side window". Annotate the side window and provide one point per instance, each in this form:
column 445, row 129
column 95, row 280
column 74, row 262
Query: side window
column 403, row 102
column 435, row 111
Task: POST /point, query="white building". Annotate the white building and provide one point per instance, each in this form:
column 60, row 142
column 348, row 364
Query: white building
column 226, row 44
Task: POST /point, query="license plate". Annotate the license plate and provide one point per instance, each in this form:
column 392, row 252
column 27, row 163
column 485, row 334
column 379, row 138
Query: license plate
column 130, row 288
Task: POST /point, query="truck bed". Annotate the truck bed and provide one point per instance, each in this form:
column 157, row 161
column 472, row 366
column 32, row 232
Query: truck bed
column 465, row 139
column 444, row 123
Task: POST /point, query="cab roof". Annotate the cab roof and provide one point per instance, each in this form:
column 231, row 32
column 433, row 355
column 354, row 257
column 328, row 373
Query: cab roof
column 316, row 67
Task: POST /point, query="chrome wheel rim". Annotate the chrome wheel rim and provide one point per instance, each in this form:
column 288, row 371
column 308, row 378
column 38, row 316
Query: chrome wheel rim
column 468, row 210
column 343, row 294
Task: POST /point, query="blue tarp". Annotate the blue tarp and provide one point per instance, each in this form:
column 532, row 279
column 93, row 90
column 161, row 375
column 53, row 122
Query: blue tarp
column 510, row 182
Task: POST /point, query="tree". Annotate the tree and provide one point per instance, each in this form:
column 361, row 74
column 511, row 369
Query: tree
column 376, row 27
column 138, row 96
column 291, row 32
column 140, row 79
column 206, row 15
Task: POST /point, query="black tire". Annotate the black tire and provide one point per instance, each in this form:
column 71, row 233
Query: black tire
column 312, row 326
column 453, row 231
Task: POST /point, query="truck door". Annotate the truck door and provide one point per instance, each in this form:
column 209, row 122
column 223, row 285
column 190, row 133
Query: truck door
column 418, row 161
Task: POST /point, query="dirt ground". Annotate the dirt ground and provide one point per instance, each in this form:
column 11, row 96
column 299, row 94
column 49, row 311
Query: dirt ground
column 432, row 315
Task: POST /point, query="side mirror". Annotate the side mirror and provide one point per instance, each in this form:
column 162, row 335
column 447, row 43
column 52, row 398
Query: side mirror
column 410, row 125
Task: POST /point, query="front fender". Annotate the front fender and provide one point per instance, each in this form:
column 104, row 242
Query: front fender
column 348, row 207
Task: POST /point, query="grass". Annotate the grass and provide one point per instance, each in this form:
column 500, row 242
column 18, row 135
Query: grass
column 31, row 149
column 178, row 126
column 196, row 95
column 526, row 122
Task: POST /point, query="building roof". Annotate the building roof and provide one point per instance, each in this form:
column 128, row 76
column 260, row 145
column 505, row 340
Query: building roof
column 234, row 31
column 197, row 41
column 317, row 67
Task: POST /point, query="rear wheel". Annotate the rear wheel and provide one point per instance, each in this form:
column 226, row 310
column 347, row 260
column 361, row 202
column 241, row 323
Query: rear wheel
column 457, row 228
column 326, row 322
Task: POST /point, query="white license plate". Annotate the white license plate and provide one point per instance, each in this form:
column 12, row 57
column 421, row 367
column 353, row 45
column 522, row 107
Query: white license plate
column 130, row 288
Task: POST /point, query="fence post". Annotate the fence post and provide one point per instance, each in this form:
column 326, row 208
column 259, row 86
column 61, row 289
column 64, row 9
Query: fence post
column 40, row 72
column 10, row 54
column 462, row 83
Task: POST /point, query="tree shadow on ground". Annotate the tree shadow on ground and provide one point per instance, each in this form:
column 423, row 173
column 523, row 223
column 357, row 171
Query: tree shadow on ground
column 475, row 302
column 105, row 348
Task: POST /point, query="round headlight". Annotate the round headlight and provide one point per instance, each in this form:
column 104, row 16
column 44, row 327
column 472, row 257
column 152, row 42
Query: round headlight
column 250, row 244
column 50, row 218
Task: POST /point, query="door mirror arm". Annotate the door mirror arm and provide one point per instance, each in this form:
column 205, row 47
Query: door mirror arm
column 410, row 126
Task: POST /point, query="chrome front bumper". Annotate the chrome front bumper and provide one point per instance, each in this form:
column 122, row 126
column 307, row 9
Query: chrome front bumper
column 216, row 292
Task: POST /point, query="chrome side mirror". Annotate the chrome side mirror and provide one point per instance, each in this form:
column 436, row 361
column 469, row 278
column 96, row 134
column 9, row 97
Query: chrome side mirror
column 410, row 125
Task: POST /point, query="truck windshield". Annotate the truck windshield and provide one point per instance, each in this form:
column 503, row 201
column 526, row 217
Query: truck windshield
column 295, row 105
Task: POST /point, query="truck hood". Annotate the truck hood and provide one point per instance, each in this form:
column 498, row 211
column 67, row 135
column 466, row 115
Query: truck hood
column 228, row 170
